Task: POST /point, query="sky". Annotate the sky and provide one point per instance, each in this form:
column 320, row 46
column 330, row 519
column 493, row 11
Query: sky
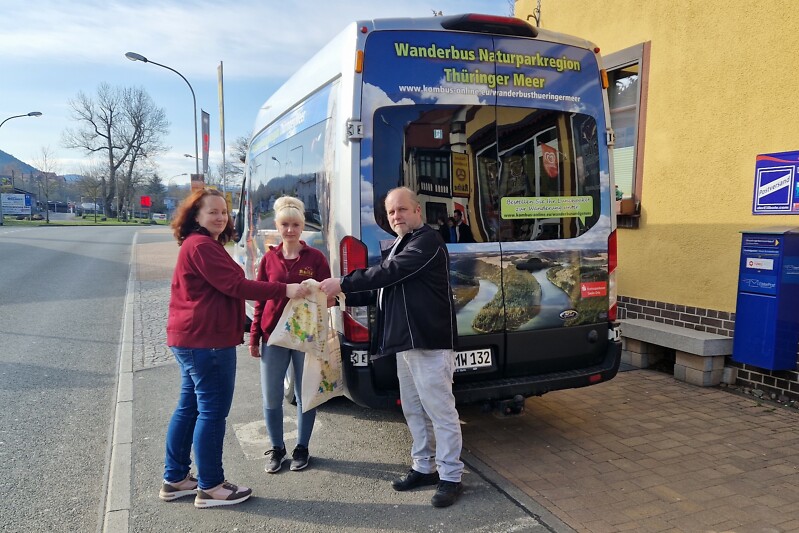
column 51, row 51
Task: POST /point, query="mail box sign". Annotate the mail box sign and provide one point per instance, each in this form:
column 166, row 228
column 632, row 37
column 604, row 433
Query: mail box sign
column 766, row 314
column 760, row 256
column 776, row 184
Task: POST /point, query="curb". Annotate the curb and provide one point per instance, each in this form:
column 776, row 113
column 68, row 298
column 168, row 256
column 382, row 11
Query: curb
column 548, row 521
column 117, row 499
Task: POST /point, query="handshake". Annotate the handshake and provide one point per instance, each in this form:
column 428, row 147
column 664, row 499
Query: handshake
column 331, row 287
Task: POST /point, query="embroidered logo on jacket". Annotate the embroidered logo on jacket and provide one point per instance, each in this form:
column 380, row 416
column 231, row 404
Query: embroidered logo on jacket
column 307, row 272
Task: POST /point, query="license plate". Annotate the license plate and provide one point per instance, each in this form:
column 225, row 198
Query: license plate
column 359, row 358
column 472, row 359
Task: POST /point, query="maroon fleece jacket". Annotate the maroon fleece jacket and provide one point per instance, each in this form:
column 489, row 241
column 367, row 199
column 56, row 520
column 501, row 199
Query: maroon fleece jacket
column 311, row 264
column 206, row 306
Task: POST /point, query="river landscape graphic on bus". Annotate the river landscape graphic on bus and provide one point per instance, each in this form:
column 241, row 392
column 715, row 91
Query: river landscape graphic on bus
column 506, row 132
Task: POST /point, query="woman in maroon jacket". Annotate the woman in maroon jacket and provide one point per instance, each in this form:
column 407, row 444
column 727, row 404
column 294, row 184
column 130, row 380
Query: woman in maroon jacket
column 205, row 324
column 292, row 261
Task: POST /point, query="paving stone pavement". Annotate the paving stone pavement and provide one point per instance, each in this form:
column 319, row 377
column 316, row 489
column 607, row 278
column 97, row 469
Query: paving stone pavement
column 154, row 264
column 641, row 453
column 644, row 452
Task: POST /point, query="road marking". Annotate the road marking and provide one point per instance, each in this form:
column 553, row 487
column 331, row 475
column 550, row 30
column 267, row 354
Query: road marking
column 254, row 440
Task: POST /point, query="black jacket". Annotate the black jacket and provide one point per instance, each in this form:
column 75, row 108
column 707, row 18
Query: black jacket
column 464, row 233
column 418, row 310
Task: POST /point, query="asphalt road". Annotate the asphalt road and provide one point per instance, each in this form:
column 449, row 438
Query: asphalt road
column 62, row 291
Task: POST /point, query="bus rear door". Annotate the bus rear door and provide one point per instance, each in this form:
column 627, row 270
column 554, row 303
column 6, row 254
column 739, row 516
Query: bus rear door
column 509, row 132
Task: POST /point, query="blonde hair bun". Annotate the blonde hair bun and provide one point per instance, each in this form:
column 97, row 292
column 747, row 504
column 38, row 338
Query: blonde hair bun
column 289, row 206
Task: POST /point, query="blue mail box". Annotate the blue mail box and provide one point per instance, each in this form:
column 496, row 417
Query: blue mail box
column 767, row 308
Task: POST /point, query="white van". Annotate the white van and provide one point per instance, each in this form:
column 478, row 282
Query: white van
column 504, row 122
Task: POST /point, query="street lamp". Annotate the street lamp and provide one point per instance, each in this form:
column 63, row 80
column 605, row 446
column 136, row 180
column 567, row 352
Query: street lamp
column 191, row 156
column 31, row 114
column 170, row 201
column 170, row 180
column 133, row 56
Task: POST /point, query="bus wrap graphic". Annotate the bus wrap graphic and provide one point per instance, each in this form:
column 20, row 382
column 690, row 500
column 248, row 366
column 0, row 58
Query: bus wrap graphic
column 426, row 66
column 776, row 184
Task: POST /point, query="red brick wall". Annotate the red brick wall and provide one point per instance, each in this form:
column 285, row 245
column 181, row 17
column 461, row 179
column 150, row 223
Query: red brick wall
column 780, row 385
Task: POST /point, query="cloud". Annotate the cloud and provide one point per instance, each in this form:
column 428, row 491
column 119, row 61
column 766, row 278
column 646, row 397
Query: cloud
column 373, row 98
column 54, row 49
column 258, row 39
column 455, row 97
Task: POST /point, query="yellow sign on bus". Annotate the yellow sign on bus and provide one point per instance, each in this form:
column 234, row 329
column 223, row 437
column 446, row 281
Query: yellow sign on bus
column 460, row 175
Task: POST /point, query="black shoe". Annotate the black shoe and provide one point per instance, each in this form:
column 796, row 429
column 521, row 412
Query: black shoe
column 446, row 493
column 276, row 457
column 414, row 479
column 299, row 458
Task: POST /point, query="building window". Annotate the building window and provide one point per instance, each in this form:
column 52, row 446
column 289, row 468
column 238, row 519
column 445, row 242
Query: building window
column 628, row 74
column 433, row 172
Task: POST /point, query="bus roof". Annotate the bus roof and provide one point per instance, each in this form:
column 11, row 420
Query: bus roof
column 338, row 56
column 326, row 65
column 437, row 24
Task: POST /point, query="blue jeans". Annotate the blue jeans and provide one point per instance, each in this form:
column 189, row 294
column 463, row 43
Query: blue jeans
column 207, row 376
column 274, row 363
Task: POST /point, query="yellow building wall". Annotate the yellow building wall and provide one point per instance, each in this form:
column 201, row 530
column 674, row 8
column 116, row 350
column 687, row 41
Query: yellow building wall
column 723, row 87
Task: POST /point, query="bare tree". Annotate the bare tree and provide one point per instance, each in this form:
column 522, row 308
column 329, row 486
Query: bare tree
column 235, row 162
column 46, row 163
column 7, row 170
column 90, row 184
column 147, row 126
column 122, row 125
column 136, row 184
column 100, row 133
column 233, row 166
column 213, row 177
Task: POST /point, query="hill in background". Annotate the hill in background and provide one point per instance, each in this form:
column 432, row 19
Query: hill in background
column 8, row 163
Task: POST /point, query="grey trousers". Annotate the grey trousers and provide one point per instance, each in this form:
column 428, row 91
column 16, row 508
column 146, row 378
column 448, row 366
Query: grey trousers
column 425, row 379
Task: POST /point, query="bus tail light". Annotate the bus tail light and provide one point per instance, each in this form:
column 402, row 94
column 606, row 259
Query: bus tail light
column 359, row 61
column 603, row 76
column 489, row 24
column 612, row 263
column 353, row 254
column 354, row 329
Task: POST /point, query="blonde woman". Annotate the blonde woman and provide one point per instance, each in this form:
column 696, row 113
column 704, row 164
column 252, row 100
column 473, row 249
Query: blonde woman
column 292, row 261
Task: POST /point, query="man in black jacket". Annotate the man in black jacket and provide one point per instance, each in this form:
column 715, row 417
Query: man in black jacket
column 463, row 232
column 416, row 321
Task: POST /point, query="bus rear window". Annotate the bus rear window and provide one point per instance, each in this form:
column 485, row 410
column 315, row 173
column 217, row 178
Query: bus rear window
column 513, row 173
